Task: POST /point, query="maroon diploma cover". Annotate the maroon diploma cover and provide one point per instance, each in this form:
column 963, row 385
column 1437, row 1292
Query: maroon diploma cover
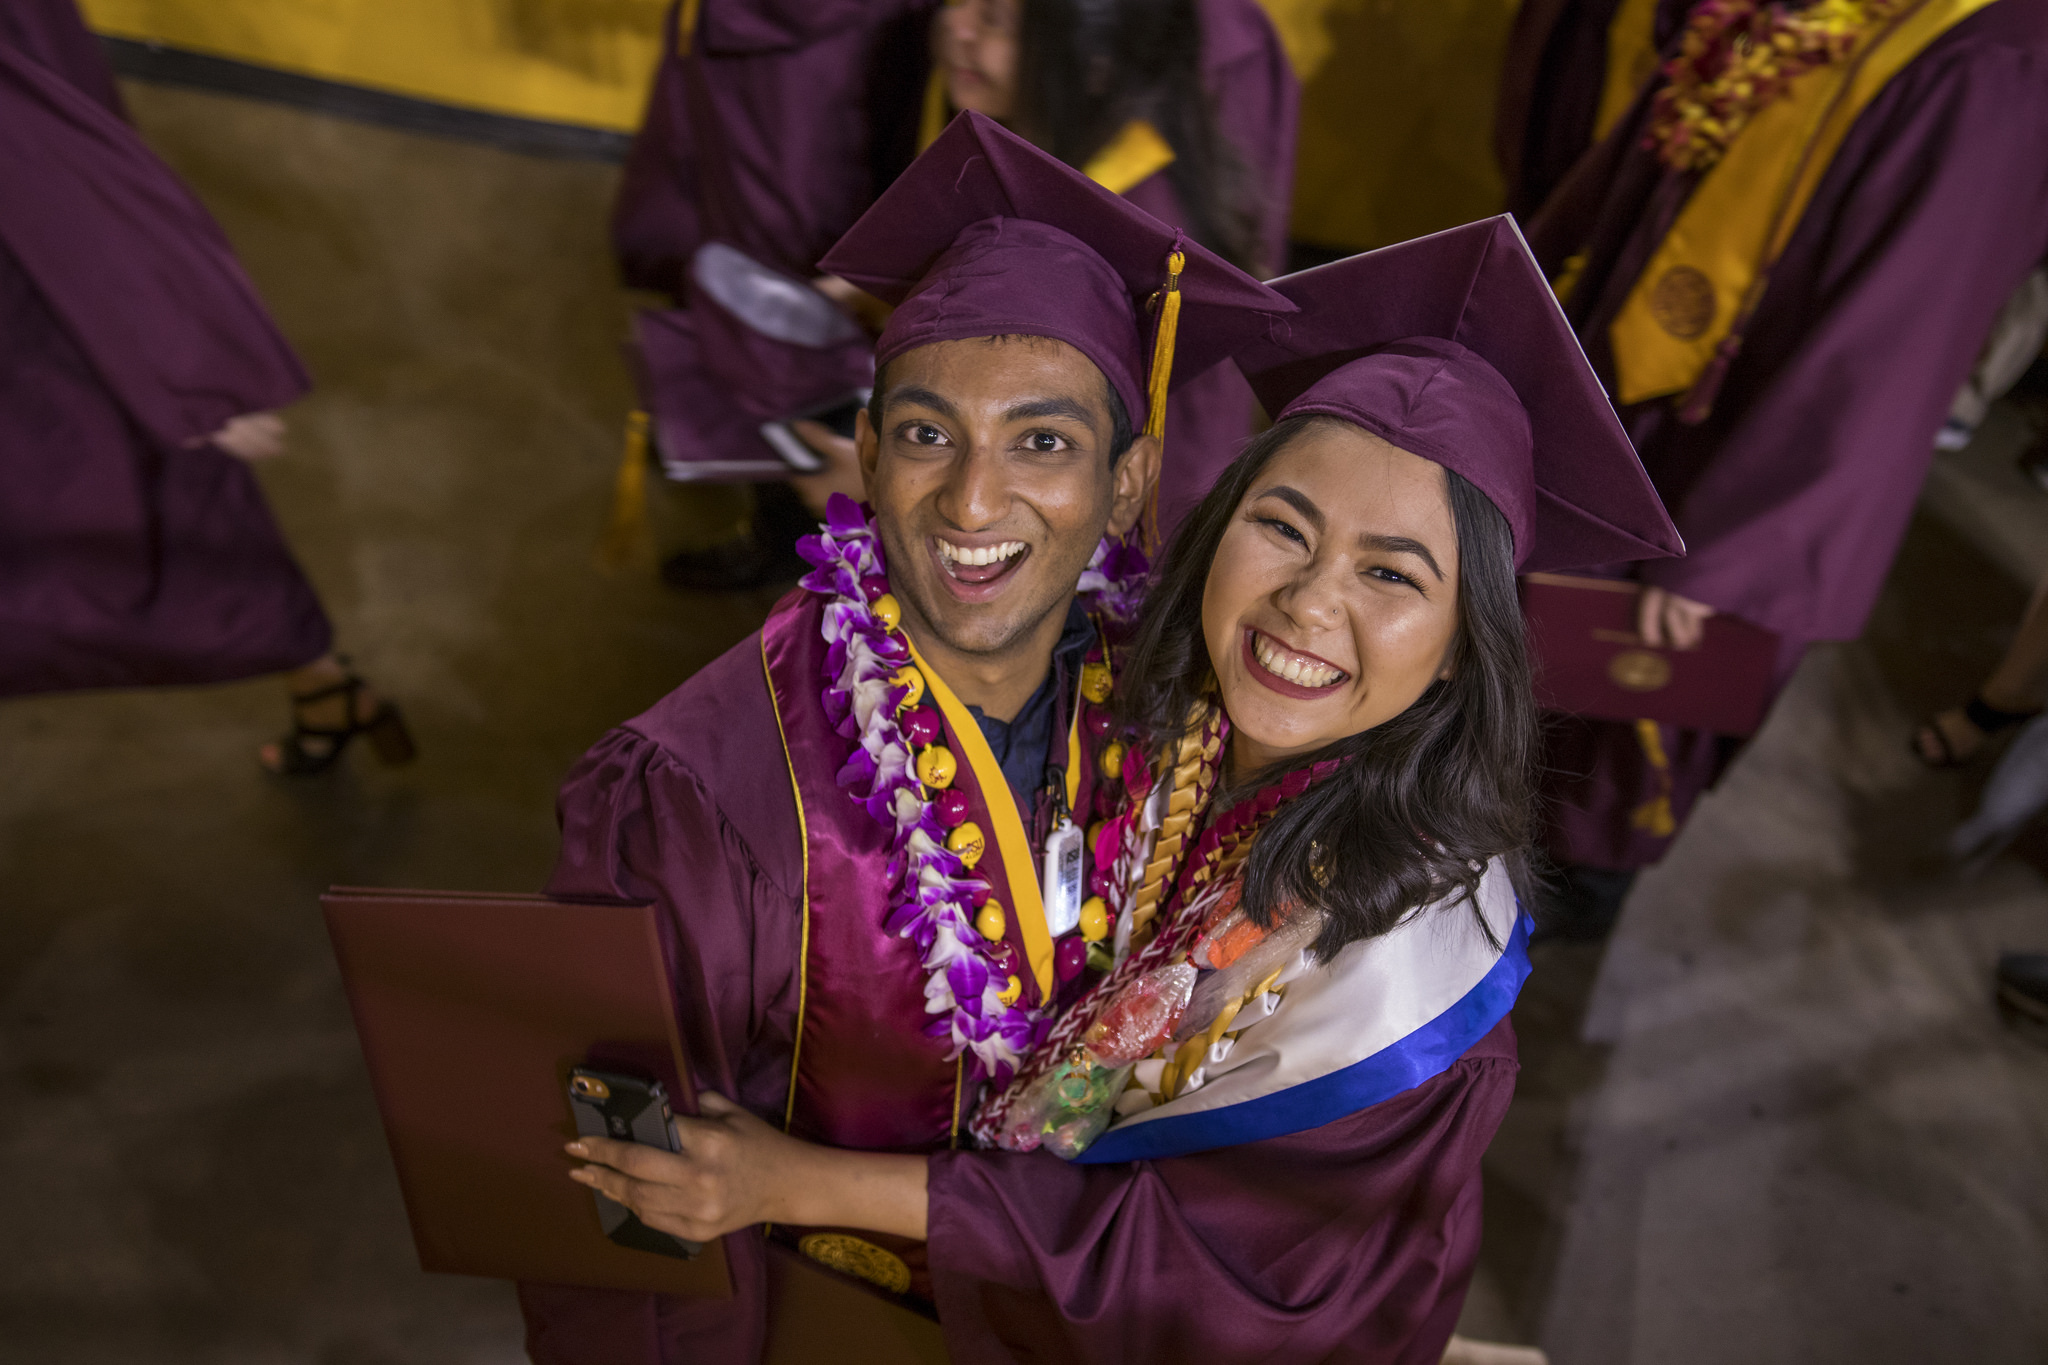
column 1589, row 661
column 471, row 1010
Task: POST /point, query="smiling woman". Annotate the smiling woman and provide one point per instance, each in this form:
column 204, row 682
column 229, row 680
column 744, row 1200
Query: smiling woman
column 1319, row 931
column 1342, row 598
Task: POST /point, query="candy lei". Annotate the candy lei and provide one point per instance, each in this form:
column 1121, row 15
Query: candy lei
column 1153, row 857
column 903, row 776
column 1735, row 57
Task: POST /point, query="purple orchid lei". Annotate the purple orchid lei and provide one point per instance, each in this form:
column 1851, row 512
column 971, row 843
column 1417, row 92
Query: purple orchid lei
column 933, row 895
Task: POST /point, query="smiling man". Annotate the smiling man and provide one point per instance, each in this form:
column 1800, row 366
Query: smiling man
column 863, row 826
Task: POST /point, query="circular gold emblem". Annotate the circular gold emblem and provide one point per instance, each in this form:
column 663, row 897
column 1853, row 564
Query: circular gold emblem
column 1639, row 670
column 1683, row 302
column 863, row 1260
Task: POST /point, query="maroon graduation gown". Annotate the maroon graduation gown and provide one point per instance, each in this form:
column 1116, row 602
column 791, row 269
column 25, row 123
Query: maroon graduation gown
column 1353, row 1241
column 53, row 33
column 1795, row 491
column 130, row 552
column 775, row 132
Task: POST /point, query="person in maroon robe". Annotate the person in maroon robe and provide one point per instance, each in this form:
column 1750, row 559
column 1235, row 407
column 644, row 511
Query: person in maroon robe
column 771, row 134
column 1793, row 482
column 138, row 377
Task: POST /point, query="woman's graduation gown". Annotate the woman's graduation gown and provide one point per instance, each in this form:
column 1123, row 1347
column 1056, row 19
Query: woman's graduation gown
column 1351, row 1240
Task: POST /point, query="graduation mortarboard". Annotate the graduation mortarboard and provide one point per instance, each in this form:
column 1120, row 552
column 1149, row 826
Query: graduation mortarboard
column 1452, row 347
column 986, row 235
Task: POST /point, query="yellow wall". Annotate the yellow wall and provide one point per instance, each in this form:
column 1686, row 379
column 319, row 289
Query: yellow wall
column 1396, row 116
column 1396, row 119
column 566, row 61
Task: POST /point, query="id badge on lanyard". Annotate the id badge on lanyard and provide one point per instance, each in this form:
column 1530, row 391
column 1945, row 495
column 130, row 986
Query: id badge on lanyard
column 1061, row 885
column 1062, row 882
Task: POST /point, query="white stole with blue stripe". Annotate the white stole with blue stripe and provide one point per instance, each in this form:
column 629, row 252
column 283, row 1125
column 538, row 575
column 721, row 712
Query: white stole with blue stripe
column 1383, row 1017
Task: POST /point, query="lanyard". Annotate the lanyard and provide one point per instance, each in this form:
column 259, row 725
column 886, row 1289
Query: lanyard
column 1020, row 869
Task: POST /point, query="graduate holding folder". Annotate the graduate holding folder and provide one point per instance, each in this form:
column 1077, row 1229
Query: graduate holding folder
column 865, row 828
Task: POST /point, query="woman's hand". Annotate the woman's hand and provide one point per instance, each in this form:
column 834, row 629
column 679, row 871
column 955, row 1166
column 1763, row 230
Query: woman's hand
column 735, row 1171
column 1663, row 617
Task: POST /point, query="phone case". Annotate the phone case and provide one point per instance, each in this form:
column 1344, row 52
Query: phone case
column 626, row 1109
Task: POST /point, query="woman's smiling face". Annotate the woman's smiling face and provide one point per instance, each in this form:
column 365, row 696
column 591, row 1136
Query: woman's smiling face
column 1332, row 603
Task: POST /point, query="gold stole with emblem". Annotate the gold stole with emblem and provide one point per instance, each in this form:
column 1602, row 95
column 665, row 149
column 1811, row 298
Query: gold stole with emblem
column 1707, row 275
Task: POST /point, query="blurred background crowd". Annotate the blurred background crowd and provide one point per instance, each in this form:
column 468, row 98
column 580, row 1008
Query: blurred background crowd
column 524, row 292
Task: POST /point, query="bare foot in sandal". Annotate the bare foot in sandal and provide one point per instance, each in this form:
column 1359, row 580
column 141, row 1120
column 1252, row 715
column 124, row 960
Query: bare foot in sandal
column 1951, row 738
column 331, row 705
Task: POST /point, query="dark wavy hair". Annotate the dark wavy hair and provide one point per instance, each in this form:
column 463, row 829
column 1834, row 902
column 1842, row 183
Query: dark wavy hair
column 1085, row 68
column 1423, row 801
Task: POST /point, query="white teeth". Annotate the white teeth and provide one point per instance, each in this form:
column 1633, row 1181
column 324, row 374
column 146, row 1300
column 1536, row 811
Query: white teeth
column 980, row 555
column 1285, row 663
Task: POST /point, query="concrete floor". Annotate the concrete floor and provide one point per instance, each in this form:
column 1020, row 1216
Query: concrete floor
column 1775, row 1120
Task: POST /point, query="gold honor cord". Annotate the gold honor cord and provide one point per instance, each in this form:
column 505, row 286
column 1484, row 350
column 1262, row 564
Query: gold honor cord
column 1020, row 869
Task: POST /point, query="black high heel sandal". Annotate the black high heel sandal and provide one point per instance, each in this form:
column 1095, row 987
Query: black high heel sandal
column 1986, row 718
column 385, row 727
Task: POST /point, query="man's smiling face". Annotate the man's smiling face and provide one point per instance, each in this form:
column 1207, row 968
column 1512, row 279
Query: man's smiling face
column 992, row 480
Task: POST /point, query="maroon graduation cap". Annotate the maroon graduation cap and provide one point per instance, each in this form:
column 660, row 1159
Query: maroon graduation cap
column 1452, row 347
column 986, row 235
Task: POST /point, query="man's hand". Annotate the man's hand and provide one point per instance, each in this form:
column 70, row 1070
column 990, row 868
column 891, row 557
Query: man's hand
column 841, row 473
column 735, row 1171
column 1664, row 618
column 253, row 436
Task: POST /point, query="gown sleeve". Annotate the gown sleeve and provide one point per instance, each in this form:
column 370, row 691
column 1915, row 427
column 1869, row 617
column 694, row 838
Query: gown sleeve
column 639, row 824
column 1351, row 1242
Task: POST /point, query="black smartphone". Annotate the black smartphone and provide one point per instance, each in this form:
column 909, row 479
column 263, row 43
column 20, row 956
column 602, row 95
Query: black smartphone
column 627, row 1109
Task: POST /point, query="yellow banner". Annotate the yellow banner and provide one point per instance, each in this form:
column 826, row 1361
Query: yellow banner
column 1711, row 266
column 583, row 62
column 1396, row 115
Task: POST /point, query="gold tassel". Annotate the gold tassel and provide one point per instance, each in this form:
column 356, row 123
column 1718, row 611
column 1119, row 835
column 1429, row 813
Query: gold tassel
column 1161, row 380
column 1162, row 347
column 626, row 541
column 1654, row 816
column 686, row 26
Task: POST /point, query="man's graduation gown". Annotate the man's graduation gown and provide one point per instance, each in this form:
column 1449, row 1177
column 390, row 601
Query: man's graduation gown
column 131, row 552
column 1352, row 1241
column 1794, row 492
